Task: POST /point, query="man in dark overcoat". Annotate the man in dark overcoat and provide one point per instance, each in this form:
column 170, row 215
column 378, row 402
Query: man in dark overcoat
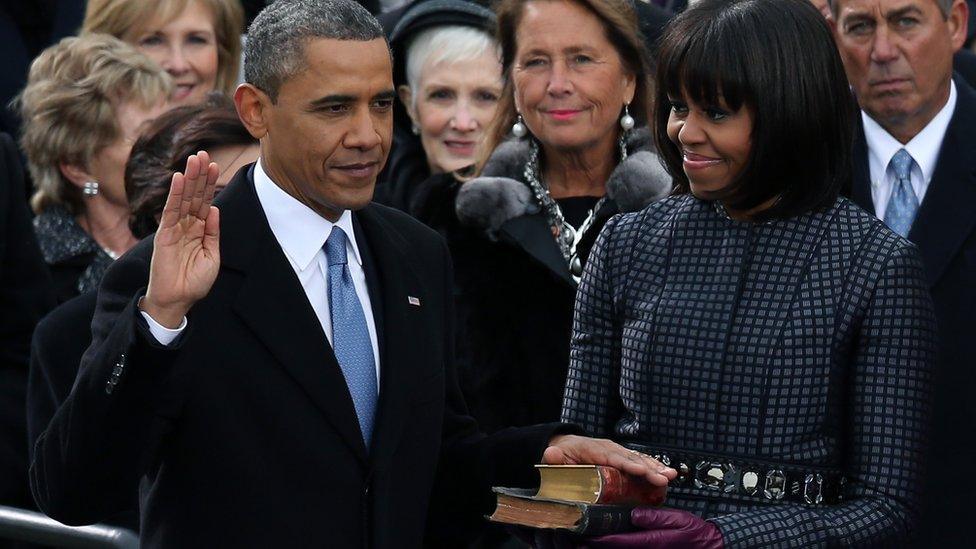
column 915, row 168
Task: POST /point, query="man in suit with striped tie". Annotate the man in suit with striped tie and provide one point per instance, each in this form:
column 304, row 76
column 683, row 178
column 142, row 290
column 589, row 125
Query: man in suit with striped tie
column 915, row 168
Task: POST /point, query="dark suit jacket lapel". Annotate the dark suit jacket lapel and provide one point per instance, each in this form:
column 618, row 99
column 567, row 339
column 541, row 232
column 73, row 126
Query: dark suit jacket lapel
column 948, row 211
column 392, row 279
column 861, row 181
column 273, row 304
column 532, row 234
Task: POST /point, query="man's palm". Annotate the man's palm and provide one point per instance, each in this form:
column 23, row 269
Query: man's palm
column 186, row 253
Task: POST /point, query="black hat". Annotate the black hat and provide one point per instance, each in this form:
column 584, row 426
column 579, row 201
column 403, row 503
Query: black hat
column 426, row 14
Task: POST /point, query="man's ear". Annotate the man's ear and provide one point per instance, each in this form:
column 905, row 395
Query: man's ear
column 76, row 174
column 958, row 22
column 406, row 97
column 253, row 108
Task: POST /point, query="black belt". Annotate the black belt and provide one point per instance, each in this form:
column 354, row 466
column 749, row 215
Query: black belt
column 752, row 479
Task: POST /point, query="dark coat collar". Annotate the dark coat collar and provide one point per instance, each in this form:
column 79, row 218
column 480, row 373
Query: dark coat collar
column 61, row 238
column 273, row 304
column 500, row 202
column 948, row 212
column 503, row 194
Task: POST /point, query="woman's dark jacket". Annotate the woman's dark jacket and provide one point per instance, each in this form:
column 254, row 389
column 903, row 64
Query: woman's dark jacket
column 807, row 342
column 513, row 290
column 77, row 263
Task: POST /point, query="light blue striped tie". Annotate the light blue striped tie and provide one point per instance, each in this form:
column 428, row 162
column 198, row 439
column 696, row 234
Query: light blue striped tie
column 350, row 337
column 903, row 204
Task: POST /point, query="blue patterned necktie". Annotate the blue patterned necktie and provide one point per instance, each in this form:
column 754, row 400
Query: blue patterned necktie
column 903, row 204
column 350, row 337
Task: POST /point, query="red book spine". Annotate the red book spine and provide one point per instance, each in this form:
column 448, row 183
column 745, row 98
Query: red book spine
column 618, row 487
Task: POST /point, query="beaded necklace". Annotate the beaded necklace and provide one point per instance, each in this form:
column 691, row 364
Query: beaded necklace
column 567, row 237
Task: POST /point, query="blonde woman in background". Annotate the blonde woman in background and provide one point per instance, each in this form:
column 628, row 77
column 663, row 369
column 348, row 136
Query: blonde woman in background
column 85, row 100
column 198, row 42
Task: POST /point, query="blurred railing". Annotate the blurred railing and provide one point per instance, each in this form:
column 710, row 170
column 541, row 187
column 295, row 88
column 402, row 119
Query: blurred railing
column 29, row 526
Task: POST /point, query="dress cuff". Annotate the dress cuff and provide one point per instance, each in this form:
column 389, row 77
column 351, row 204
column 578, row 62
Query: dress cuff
column 161, row 333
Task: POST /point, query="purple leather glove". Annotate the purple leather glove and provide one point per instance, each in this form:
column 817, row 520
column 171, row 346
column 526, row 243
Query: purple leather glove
column 659, row 527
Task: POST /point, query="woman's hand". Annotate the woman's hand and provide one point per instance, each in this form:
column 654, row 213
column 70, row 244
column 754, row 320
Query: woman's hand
column 186, row 252
column 665, row 528
column 577, row 450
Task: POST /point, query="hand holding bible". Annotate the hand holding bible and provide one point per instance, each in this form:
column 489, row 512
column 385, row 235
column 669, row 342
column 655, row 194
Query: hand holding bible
column 186, row 248
column 577, row 450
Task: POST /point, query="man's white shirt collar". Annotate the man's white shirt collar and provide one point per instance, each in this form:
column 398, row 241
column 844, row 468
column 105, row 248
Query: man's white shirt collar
column 300, row 231
column 924, row 147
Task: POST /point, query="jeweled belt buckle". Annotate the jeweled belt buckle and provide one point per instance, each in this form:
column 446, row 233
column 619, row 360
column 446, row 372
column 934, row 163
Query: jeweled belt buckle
column 775, row 487
column 813, row 488
column 715, row 475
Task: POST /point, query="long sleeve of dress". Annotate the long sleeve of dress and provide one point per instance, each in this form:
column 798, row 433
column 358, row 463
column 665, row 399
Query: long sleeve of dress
column 823, row 358
column 591, row 397
column 888, row 413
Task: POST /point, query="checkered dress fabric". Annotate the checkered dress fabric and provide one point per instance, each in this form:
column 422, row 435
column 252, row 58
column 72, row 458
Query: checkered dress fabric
column 806, row 342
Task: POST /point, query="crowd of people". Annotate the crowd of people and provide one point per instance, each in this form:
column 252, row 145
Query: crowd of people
column 321, row 273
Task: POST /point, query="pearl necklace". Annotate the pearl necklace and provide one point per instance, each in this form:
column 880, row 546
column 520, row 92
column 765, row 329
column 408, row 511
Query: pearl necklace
column 567, row 237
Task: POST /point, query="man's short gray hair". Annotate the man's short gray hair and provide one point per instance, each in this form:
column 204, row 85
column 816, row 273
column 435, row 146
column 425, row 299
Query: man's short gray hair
column 945, row 6
column 276, row 40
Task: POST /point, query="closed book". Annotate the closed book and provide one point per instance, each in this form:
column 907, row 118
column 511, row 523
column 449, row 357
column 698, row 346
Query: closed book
column 523, row 508
column 595, row 484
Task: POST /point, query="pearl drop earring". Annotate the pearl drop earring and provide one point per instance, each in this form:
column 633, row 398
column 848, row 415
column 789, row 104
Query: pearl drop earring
column 518, row 128
column 627, row 121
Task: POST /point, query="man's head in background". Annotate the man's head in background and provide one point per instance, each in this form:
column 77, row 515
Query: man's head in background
column 898, row 57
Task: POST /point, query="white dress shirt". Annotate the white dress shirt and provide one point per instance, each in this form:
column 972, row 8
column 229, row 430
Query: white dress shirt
column 302, row 233
column 924, row 148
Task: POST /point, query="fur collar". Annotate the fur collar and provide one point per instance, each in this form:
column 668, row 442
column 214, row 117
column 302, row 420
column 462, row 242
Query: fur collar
column 500, row 194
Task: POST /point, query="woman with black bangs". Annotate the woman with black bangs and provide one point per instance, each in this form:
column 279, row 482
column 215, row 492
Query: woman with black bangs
column 769, row 340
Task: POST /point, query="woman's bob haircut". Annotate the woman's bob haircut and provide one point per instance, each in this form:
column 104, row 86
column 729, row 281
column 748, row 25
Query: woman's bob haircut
column 776, row 58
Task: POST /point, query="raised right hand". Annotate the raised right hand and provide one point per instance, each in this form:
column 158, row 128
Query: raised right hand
column 186, row 248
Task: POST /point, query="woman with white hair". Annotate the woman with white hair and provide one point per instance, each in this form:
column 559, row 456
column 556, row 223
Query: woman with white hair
column 448, row 75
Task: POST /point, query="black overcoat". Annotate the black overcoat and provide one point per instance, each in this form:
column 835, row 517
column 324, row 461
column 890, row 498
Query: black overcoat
column 945, row 232
column 243, row 432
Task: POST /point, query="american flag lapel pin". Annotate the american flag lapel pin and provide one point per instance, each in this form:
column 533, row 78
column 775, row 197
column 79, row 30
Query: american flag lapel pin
column 415, row 301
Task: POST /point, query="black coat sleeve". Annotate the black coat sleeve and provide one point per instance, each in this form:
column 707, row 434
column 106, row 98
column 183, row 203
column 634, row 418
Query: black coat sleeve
column 58, row 344
column 890, row 395
column 472, row 462
column 88, row 462
column 25, row 296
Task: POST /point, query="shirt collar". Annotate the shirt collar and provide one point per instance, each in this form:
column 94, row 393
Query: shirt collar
column 924, row 147
column 300, row 231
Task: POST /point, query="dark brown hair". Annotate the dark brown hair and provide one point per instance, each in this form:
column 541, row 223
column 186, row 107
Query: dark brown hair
column 778, row 59
column 619, row 21
column 164, row 147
